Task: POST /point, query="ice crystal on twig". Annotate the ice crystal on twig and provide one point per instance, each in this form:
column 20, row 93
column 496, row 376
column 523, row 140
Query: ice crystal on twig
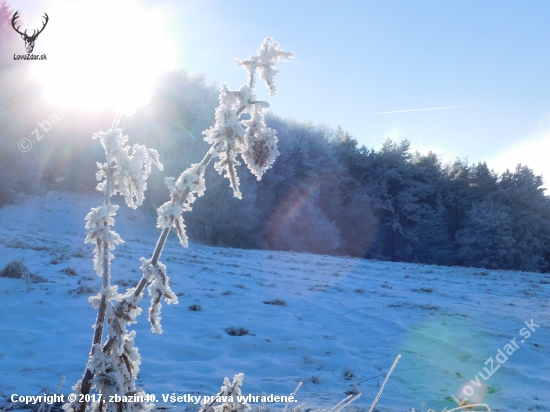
column 264, row 62
column 250, row 138
column 131, row 169
column 98, row 223
column 184, row 192
column 158, row 288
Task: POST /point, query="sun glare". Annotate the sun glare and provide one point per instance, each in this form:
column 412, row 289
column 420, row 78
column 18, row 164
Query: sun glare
column 103, row 55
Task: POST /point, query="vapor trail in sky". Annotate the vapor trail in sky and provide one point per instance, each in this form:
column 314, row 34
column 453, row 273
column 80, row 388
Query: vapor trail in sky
column 430, row 108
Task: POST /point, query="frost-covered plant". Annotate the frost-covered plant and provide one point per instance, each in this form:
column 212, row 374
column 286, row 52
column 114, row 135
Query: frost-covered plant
column 231, row 400
column 230, row 397
column 113, row 372
column 113, row 367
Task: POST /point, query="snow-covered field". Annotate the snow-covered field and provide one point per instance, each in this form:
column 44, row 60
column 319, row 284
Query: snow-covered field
column 345, row 320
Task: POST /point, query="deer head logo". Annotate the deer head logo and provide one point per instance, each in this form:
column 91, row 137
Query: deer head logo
column 29, row 40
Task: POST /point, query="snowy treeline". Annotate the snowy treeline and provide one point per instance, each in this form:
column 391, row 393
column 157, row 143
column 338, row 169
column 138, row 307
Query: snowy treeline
column 325, row 194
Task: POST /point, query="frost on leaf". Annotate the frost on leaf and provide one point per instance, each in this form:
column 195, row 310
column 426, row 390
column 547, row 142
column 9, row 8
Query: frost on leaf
column 98, row 223
column 252, row 139
column 115, row 374
column 159, row 286
column 170, row 213
column 260, row 148
column 106, row 372
column 184, row 191
column 225, row 134
column 228, row 164
column 227, row 127
column 120, row 315
column 110, row 293
column 131, row 169
column 115, row 370
column 264, row 62
column 74, row 405
column 124, row 312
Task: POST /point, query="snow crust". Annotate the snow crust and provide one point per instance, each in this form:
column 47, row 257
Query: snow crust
column 342, row 315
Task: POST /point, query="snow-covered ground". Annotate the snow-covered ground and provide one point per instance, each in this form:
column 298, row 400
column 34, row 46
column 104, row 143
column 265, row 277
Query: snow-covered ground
column 345, row 320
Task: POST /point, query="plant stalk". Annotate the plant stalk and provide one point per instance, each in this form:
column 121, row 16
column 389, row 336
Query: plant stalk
column 86, row 384
column 164, row 235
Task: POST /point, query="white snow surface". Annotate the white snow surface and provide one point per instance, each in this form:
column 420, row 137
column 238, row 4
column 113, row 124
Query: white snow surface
column 345, row 319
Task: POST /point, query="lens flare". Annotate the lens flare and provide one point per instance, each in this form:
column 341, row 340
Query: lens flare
column 291, row 205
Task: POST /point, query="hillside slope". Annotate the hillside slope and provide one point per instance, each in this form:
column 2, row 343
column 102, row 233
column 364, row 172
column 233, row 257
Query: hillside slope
column 345, row 320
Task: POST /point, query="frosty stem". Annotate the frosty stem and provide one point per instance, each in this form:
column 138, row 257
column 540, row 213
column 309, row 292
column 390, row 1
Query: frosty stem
column 86, row 381
column 164, row 234
column 384, row 384
column 100, row 321
column 115, row 366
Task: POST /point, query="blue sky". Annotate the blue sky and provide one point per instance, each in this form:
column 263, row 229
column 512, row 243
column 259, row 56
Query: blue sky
column 354, row 58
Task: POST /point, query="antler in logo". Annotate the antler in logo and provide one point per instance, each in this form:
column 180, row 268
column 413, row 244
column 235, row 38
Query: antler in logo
column 29, row 40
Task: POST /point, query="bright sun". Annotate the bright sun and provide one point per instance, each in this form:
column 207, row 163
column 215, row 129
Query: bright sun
column 103, row 54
